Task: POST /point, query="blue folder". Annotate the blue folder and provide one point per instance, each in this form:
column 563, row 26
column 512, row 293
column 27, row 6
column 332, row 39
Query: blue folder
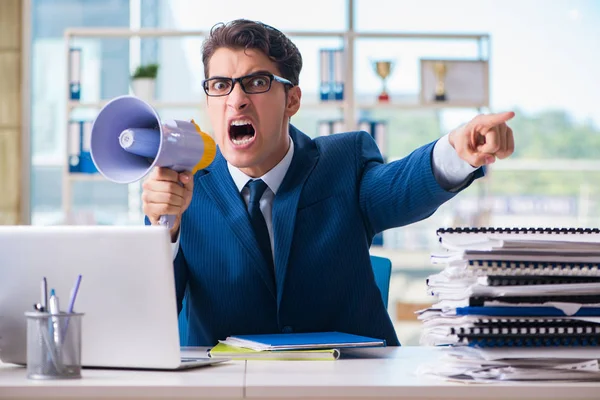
column 311, row 340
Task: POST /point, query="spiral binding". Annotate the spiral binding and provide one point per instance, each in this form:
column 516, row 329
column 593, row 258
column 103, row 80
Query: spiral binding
column 516, row 230
column 533, row 323
column 524, row 268
column 529, row 333
column 520, row 280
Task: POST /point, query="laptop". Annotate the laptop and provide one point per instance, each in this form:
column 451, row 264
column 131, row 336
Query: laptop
column 127, row 292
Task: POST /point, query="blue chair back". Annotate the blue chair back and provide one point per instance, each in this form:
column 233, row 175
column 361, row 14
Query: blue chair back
column 382, row 269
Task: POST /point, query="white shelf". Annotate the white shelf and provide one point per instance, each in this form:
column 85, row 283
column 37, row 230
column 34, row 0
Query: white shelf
column 415, row 105
column 74, row 104
column 151, row 32
column 305, row 104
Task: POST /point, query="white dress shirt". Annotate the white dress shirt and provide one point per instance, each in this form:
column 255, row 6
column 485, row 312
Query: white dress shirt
column 273, row 179
column 449, row 170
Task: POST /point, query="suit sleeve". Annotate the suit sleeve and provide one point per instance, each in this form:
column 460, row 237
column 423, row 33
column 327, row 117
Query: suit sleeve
column 401, row 192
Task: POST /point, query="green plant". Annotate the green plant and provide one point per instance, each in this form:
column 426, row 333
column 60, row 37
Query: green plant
column 145, row 71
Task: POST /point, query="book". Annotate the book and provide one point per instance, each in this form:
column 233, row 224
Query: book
column 222, row 350
column 296, row 341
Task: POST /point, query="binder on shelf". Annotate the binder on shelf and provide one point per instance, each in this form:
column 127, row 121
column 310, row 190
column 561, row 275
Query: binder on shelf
column 332, row 74
column 74, row 146
column 325, row 87
column 324, row 128
column 337, row 126
column 75, row 73
column 87, row 164
column 378, row 130
column 329, row 127
column 338, row 74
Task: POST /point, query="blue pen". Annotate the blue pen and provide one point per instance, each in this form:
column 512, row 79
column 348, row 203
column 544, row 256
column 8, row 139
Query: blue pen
column 71, row 306
column 74, row 294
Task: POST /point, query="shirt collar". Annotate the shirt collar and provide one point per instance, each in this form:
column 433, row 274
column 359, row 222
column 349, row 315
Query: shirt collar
column 272, row 178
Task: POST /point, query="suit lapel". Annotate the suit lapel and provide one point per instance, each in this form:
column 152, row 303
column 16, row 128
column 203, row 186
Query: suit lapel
column 220, row 187
column 285, row 205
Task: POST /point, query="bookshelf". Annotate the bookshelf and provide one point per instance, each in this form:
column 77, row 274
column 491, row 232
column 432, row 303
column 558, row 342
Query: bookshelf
column 350, row 107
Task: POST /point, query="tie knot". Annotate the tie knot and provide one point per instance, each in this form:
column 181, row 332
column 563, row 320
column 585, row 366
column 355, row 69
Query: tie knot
column 257, row 188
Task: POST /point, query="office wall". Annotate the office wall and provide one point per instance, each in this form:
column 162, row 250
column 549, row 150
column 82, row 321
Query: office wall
column 10, row 110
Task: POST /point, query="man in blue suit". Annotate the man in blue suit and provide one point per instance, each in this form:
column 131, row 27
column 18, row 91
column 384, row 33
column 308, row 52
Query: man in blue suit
column 274, row 235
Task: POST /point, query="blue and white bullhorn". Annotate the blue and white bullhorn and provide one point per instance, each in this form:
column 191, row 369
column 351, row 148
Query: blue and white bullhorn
column 129, row 140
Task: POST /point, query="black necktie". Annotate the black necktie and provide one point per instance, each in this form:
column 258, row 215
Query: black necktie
column 257, row 188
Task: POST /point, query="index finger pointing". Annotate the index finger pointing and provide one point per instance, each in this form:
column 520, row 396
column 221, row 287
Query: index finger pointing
column 496, row 119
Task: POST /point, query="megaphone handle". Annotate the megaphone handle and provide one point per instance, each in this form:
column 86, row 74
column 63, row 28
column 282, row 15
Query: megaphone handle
column 167, row 220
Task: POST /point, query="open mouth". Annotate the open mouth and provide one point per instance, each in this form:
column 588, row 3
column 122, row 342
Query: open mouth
column 241, row 132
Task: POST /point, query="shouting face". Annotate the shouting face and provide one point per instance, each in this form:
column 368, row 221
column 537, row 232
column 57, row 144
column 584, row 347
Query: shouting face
column 250, row 126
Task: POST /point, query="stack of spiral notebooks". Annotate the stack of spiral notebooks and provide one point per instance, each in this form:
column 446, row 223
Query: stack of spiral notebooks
column 515, row 304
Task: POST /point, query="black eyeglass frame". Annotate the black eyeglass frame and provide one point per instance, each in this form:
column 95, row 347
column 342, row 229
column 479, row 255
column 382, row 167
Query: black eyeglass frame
column 272, row 77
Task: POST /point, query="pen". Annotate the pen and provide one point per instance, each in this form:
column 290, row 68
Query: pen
column 44, row 294
column 74, row 292
column 55, row 310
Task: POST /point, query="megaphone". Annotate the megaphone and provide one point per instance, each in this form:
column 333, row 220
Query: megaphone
column 129, row 139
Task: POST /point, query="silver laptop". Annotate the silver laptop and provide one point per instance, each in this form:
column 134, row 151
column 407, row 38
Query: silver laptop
column 127, row 292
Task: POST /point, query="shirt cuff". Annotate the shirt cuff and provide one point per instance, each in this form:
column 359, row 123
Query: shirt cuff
column 450, row 171
column 175, row 246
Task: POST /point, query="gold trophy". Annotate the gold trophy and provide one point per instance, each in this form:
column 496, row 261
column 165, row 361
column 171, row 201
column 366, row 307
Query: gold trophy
column 383, row 69
column 440, row 69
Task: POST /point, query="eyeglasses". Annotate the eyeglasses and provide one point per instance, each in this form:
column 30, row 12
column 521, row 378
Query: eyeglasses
column 251, row 84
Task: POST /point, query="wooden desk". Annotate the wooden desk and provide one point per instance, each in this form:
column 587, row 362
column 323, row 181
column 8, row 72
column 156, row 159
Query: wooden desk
column 387, row 374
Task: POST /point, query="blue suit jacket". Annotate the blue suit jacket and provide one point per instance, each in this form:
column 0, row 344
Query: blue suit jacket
column 336, row 195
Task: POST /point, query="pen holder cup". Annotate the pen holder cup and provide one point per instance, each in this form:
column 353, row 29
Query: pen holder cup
column 53, row 345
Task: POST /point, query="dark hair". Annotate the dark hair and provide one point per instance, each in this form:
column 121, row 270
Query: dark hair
column 246, row 34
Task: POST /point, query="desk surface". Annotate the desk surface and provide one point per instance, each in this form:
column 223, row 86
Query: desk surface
column 377, row 373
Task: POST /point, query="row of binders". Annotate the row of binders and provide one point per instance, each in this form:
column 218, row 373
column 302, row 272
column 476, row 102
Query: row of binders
column 515, row 304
